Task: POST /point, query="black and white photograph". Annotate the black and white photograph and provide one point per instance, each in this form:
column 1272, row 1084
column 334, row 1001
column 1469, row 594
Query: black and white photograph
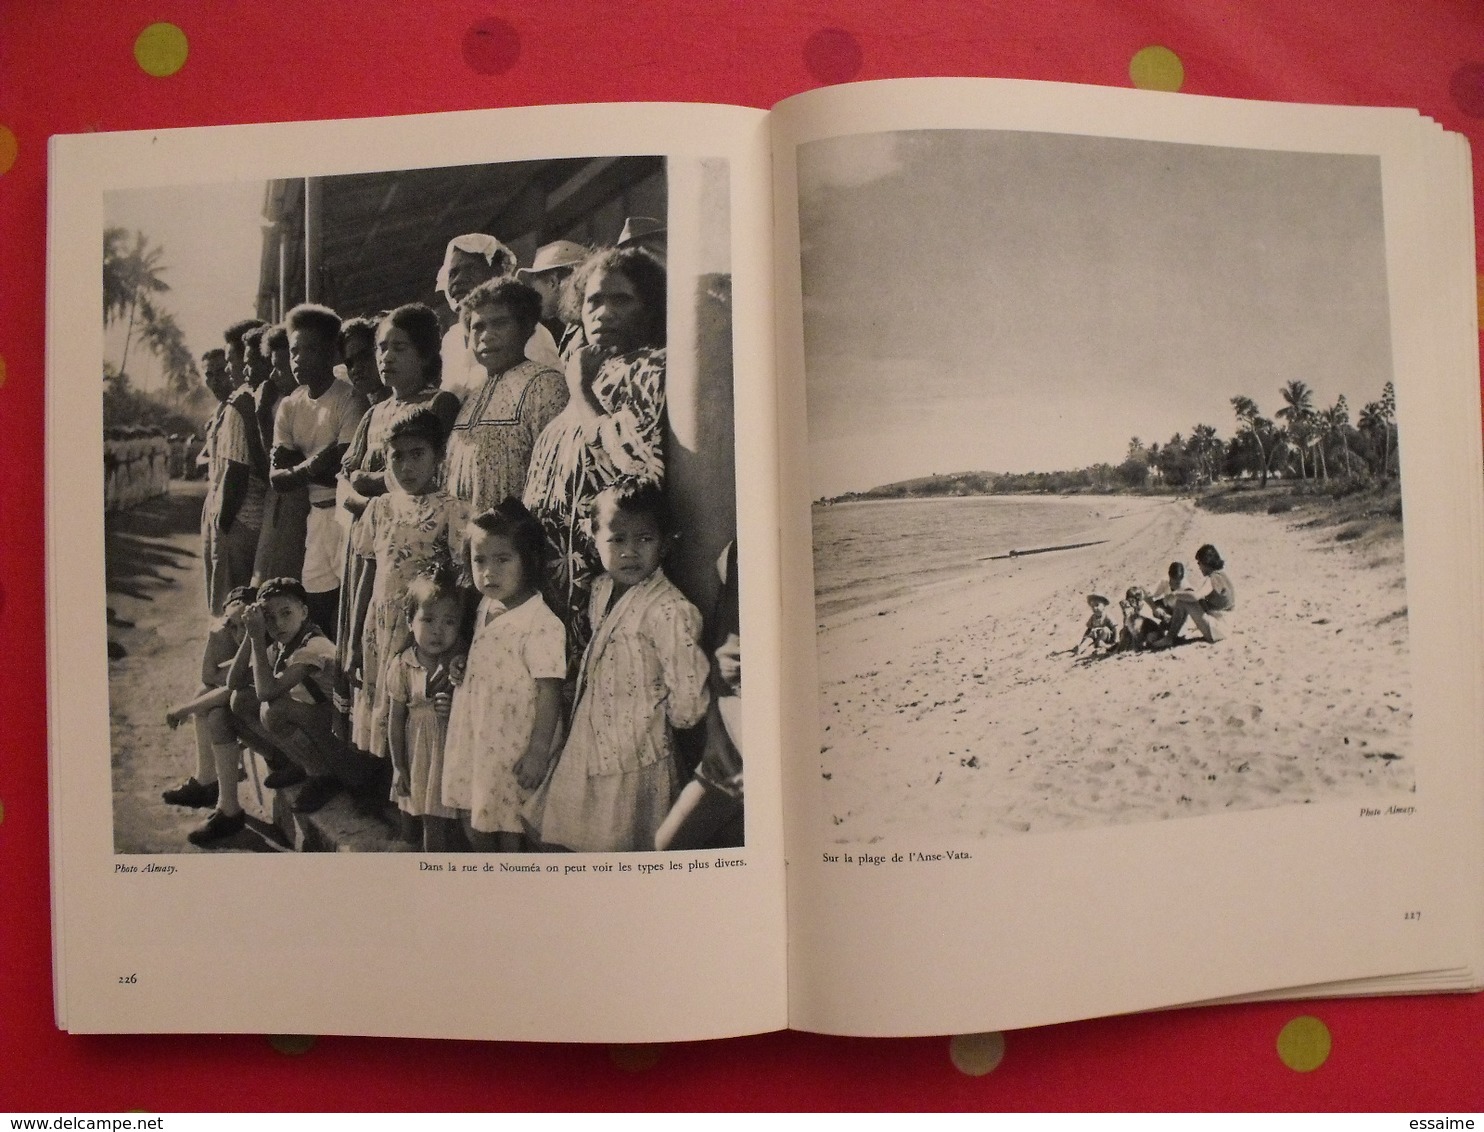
column 420, row 511
column 1107, row 513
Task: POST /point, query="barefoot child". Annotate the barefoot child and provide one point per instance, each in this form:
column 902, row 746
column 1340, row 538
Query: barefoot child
column 1139, row 629
column 1100, row 631
column 502, row 730
column 419, row 686
column 642, row 675
column 218, row 754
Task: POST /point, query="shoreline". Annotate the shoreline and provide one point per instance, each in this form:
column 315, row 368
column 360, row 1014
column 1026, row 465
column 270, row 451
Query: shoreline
column 952, row 710
column 1070, row 497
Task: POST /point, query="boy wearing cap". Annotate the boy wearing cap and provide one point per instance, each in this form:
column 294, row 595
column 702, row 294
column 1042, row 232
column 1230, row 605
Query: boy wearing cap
column 293, row 674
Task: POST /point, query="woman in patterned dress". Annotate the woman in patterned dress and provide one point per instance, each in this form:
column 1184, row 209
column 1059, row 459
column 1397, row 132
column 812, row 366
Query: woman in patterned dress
column 613, row 425
column 489, row 450
column 407, row 357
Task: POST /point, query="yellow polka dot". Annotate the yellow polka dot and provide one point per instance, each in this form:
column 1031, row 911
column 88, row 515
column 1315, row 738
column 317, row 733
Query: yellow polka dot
column 1303, row 1044
column 292, row 1045
column 8, row 149
column 2, row 813
column 161, row 50
column 3, row 373
column 974, row 1055
column 1156, row 68
column 634, row 1059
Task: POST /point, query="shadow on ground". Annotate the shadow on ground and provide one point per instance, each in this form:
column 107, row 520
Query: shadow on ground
column 141, row 548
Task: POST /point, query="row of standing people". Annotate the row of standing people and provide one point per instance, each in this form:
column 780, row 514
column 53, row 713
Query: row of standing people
column 406, row 476
column 136, row 467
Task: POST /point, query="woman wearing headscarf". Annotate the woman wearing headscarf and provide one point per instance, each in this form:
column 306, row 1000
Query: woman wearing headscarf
column 468, row 261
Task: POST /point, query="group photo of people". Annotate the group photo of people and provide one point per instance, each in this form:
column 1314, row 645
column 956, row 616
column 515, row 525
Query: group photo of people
column 1154, row 618
column 465, row 572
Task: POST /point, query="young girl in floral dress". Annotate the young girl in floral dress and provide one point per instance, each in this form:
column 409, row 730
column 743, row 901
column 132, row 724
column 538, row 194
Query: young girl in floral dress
column 502, row 732
column 407, row 531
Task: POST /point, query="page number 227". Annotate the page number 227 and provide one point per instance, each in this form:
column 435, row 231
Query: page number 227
column 1411, row 915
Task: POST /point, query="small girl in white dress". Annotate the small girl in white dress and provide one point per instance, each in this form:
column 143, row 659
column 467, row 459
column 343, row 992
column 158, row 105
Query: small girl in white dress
column 419, row 685
column 506, row 716
column 643, row 675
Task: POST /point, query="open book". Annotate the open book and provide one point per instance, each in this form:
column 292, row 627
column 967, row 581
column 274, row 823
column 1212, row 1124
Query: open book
column 926, row 343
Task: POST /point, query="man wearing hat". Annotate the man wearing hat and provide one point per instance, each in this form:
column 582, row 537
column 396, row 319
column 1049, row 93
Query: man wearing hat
column 468, row 261
column 645, row 232
column 552, row 267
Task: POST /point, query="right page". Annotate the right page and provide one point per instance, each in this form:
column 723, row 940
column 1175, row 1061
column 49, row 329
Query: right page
column 1131, row 477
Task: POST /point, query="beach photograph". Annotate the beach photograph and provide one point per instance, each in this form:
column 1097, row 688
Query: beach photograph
column 1107, row 510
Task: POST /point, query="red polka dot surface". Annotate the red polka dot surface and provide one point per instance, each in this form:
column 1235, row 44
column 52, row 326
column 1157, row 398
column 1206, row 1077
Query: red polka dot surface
column 833, row 55
column 1467, row 88
column 161, row 50
column 491, row 46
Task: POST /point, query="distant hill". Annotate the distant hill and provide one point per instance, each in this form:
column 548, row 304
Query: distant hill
column 1099, row 478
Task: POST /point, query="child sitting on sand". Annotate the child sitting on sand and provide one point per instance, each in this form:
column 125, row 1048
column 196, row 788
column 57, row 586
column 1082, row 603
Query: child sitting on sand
column 1161, row 597
column 1100, row 631
column 1139, row 630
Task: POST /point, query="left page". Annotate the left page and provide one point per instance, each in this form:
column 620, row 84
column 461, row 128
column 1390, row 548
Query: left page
column 371, row 846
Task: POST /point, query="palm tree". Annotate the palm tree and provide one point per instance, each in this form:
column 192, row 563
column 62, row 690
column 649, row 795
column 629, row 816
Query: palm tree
column 1335, row 422
column 118, row 291
column 1205, row 448
column 164, row 338
column 1388, row 415
column 130, row 278
column 1298, row 413
column 1259, row 428
column 1373, row 424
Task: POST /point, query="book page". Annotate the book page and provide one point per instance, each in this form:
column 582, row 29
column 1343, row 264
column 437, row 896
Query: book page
column 1128, row 686
column 366, row 913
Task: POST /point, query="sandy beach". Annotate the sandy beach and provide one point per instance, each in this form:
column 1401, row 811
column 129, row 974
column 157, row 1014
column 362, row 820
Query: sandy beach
column 955, row 709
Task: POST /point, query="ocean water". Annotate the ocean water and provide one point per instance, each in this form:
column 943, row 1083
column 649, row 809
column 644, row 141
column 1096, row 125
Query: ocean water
column 868, row 551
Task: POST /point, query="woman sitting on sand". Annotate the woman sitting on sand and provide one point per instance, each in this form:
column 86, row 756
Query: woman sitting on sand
column 1208, row 606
